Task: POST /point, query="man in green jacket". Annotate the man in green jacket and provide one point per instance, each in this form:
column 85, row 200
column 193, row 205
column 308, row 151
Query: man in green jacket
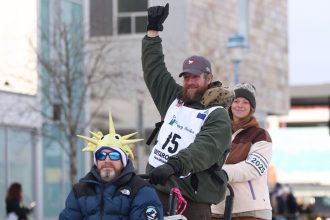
column 195, row 135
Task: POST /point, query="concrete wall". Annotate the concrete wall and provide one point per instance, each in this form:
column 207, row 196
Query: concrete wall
column 265, row 61
column 17, row 110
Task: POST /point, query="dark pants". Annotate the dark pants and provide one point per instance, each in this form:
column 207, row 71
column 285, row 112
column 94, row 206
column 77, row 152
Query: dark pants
column 194, row 210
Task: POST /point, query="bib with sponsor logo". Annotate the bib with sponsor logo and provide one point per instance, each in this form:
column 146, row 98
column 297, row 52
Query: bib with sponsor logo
column 179, row 130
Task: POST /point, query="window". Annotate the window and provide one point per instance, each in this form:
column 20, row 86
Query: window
column 131, row 16
column 56, row 112
column 112, row 17
column 17, row 146
column 100, row 17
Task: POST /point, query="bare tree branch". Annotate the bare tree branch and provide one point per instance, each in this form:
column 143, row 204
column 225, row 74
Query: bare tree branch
column 70, row 70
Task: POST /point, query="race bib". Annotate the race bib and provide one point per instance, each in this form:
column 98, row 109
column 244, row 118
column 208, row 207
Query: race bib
column 179, row 130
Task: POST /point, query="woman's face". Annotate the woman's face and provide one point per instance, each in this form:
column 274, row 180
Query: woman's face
column 240, row 108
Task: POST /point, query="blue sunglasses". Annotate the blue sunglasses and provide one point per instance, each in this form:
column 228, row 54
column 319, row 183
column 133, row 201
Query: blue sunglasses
column 113, row 155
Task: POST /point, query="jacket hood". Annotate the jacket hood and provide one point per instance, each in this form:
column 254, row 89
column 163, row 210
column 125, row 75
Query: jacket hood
column 217, row 94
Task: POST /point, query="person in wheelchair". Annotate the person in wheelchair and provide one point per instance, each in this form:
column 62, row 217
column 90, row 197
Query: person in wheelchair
column 112, row 190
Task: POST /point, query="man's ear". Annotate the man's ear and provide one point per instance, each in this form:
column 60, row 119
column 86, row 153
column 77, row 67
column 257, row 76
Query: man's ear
column 209, row 78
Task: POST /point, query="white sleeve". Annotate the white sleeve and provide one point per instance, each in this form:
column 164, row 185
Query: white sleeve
column 255, row 165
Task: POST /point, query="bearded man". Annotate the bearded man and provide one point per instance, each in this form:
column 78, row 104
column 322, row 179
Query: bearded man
column 196, row 132
column 111, row 190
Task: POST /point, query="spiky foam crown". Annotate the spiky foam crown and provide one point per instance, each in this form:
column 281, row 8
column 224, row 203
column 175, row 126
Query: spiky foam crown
column 111, row 140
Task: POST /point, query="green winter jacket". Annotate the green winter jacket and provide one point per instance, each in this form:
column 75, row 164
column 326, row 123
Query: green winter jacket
column 211, row 143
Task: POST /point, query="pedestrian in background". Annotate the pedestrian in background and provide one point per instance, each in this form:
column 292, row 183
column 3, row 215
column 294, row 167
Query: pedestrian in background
column 248, row 160
column 14, row 199
column 278, row 202
column 291, row 203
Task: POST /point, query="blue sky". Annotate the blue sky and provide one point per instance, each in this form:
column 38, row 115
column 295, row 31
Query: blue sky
column 309, row 41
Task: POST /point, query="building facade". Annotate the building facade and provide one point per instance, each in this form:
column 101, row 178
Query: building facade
column 19, row 144
column 30, row 157
column 19, row 126
column 192, row 27
column 117, row 28
column 301, row 141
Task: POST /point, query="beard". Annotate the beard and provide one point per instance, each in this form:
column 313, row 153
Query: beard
column 107, row 174
column 189, row 97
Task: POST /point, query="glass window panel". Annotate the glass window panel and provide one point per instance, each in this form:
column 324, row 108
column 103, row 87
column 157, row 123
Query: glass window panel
column 56, row 170
column 3, row 187
column 124, row 25
column 53, row 172
column 132, row 5
column 140, row 24
column 21, row 161
column 100, row 18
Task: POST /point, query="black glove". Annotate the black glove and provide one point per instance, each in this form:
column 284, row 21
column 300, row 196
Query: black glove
column 160, row 175
column 156, row 17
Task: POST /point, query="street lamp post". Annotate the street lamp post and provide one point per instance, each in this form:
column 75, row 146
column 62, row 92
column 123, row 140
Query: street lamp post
column 236, row 45
column 236, row 73
column 140, row 130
